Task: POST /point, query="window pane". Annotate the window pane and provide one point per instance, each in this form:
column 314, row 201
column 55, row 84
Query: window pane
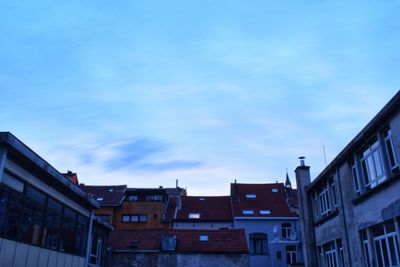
column 143, row 218
column 68, row 231
column 31, row 226
column 13, row 214
column 3, row 208
column 125, row 218
column 385, row 252
column 80, row 235
column 378, row 163
column 392, row 250
column 52, row 224
column 134, row 218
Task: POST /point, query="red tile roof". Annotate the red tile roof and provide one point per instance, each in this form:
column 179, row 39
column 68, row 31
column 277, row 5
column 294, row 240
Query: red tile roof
column 219, row 241
column 210, row 209
column 112, row 195
column 265, row 199
column 145, row 239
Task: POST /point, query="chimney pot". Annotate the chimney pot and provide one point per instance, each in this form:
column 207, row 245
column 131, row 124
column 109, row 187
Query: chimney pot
column 302, row 164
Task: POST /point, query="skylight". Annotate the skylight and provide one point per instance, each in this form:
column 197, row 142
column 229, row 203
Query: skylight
column 274, row 190
column 110, row 190
column 194, row 215
column 203, row 238
column 265, row 212
column 100, row 198
column 251, row 196
column 248, row 212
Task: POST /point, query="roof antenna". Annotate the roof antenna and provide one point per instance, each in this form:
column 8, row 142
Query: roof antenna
column 326, row 164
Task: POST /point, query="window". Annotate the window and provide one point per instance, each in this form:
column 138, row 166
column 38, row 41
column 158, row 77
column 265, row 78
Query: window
column 324, row 202
column 394, row 166
column 53, row 224
column 143, row 218
column 67, row 243
column 31, row 226
column 386, row 244
column 265, row 212
column 35, row 218
column 366, row 248
column 274, row 190
column 133, row 198
column 258, row 243
column 95, row 252
column 291, row 254
column 286, row 230
column 328, row 255
column 372, row 166
column 154, row 198
column 134, row 218
column 248, row 212
column 125, row 218
column 203, row 238
column 356, row 180
column 251, row 196
column 194, row 215
column 339, row 245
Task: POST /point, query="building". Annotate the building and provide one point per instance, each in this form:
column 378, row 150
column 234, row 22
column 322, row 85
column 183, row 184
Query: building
column 45, row 220
column 350, row 213
column 270, row 225
column 203, row 213
column 133, row 208
column 179, row 248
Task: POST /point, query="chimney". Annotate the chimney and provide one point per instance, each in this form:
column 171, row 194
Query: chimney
column 303, row 180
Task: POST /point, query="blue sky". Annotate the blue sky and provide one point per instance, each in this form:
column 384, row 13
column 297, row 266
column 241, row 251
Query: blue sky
column 146, row 92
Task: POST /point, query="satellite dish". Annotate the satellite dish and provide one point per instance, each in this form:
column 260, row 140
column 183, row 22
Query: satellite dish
column 293, row 236
column 275, row 229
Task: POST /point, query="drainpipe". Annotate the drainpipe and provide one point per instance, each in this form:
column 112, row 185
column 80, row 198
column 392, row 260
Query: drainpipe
column 344, row 216
column 89, row 239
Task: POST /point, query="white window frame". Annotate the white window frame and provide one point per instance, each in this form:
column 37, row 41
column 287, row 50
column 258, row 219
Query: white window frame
column 371, row 158
column 324, row 201
column 388, row 139
column 287, row 230
column 384, row 239
column 291, row 254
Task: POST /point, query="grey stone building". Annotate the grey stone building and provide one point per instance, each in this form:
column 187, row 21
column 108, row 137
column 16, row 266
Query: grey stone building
column 350, row 213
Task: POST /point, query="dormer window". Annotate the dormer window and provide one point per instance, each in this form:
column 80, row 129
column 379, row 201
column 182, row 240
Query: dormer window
column 265, row 212
column 248, row 212
column 203, row 238
column 194, row 215
column 251, row 196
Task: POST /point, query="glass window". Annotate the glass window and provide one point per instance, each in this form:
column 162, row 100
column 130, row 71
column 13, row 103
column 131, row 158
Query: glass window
column 258, row 243
column 291, row 254
column 366, row 248
column 248, row 212
column 265, row 212
column 52, row 224
column 125, row 218
column 386, row 244
column 324, row 201
column 4, row 195
column 330, row 254
column 203, row 238
column 31, row 226
column 251, row 196
column 68, row 231
column 96, row 248
column 372, row 166
column 194, row 215
column 143, row 217
column 286, row 230
column 390, row 151
column 356, row 180
column 133, row 198
column 13, row 214
column 80, row 235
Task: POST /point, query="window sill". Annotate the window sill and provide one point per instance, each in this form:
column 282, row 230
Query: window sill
column 326, row 217
column 359, row 199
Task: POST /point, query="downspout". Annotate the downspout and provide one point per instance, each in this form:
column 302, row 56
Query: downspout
column 89, row 239
column 344, row 216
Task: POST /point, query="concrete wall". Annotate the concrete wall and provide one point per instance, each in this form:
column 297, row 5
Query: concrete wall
column 14, row 254
column 162, row 259
column 275, row 242
column 202, row 225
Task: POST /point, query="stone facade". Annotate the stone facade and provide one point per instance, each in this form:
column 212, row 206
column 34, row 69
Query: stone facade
column 350, row 214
